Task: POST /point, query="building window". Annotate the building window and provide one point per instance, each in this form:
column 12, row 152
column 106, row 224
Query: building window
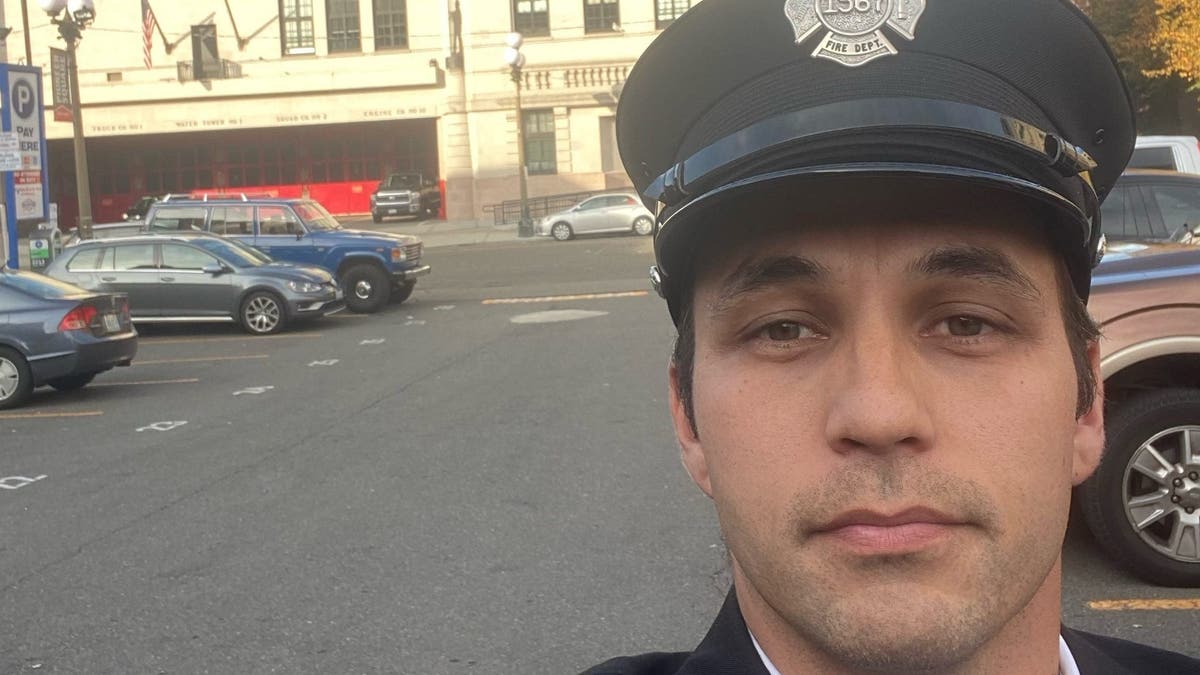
column 296, row 24
column 540, row 153
column 531, row 17
column 601, row 16
column 343, row 26
column 666, row 11
column 391, row 25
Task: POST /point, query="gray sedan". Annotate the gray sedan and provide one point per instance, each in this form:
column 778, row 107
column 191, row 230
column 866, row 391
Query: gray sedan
column 56, row 334
column 605, row 213
column 197, row 277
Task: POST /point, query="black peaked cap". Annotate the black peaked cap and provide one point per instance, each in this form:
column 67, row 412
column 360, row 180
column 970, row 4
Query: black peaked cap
column 742, row 99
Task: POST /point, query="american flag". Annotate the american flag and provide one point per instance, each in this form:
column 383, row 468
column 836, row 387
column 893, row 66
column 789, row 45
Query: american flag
column 149, row 24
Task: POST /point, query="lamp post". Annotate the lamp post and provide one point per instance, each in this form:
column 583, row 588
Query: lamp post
column 72, row 17
column 516, row 61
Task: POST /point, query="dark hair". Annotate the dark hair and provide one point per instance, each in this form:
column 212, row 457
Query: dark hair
column 1081, row 332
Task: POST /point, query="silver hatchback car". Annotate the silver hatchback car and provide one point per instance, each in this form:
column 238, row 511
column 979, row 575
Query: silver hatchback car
column 603, row 213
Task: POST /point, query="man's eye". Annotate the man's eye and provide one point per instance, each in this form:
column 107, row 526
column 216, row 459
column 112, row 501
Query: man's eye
column 966, row 326
column 786, row 331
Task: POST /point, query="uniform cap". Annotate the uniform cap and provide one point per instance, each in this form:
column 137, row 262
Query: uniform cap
column 749, row 99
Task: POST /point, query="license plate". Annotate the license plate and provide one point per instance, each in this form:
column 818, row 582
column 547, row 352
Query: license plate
column 339, row 295
column 392, row 212
column 111, row 323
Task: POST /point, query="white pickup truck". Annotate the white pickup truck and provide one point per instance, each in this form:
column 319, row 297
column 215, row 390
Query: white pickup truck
column 1172, row 153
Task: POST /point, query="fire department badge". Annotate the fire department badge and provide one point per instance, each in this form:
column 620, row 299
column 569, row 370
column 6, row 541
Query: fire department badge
column 855, row 26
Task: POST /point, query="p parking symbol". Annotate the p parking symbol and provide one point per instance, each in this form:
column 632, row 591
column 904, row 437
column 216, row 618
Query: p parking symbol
column 24, row 100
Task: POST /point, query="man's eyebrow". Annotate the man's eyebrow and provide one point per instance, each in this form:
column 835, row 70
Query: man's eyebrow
column 754, row 275
column 980, row 263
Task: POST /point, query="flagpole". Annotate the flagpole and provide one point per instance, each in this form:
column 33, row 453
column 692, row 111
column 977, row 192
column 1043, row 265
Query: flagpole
column 166, row 45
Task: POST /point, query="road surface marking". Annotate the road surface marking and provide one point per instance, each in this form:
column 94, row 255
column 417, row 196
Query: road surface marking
column 247, row 338
column 48, row 415
column 185, row 380
column 556, row 316
column 163, row 426
column 330, row 362
column 565, row 298
column 1192, row 604
column 377, row 341
column 443, row 308
column 414, row 322
column 204, row 359
column 17, row 482
column 253, row 391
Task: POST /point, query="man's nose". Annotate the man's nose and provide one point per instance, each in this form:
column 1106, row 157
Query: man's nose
column 876, row 398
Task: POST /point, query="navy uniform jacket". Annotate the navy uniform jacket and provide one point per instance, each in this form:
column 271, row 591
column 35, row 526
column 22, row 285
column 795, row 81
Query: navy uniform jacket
column 727, row 650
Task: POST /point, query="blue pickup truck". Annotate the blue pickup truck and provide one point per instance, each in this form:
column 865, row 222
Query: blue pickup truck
column 374, row 268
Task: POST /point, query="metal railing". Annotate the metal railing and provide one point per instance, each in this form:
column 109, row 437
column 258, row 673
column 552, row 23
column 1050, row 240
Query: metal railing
column 230, row 70
column 509, row 212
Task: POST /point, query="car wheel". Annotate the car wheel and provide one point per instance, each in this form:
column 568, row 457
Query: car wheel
column 16, row 379
column 377, row 218
column 643, row 226
column 367, row 288
column 1143, row 503
column 72, row 382
column 403, row 292
column 562, row 231
column 263, row 313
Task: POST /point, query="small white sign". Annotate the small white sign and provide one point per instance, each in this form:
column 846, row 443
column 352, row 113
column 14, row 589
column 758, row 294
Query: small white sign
column 10, row 151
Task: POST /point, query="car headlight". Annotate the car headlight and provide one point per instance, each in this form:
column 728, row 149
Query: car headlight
column 398, row 255
column 305, row 287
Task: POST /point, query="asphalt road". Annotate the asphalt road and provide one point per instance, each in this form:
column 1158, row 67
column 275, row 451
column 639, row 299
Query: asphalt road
column 434, row 489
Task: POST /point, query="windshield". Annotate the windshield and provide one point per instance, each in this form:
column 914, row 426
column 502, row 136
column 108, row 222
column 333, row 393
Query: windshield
column 234, row 252
column 38, row 285
column 402, row 181
column 316, row 218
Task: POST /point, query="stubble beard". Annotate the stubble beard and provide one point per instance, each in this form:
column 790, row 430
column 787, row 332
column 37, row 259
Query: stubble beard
column 889, row 613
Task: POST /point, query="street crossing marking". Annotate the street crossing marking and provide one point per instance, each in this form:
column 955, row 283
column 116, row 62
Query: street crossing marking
column 565, row 298
column 48, row 415
column 1149, row 604
column 203, row 359
column 185, row 380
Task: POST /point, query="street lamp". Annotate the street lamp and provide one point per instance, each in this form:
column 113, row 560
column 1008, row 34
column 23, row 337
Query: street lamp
column 71, row 17
column 516, row 61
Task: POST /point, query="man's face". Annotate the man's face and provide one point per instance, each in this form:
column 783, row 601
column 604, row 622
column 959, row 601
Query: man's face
column 886, row 424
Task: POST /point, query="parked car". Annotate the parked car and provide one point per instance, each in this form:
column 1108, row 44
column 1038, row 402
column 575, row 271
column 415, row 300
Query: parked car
column 374, row 268
column 1143, row 503
column 604, row 213
column 1149, row 205
column 406, row 194
column 104, row 231
column 139, row 209
column 56, row 334
column 1169, row 153
column 198, row 277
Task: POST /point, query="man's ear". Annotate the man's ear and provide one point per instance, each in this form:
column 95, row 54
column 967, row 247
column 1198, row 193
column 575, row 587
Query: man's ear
column 690, row 449
column 1089, row 428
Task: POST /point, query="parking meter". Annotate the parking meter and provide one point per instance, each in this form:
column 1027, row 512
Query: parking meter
column 45, row 243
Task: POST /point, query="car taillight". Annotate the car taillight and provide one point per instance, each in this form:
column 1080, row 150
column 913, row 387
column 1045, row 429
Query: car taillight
column 123, row 308
column 79, row 318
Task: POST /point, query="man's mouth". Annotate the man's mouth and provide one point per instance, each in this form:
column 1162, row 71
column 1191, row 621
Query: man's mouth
column 881, row 532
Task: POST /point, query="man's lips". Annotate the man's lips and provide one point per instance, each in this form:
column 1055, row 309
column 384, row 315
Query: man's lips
column 880, row 533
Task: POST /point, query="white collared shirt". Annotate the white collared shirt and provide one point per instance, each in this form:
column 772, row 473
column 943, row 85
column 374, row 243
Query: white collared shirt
column 1066, row 660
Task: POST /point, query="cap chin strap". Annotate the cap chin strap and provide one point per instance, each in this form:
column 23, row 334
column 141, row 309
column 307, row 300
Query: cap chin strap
column 700, row 172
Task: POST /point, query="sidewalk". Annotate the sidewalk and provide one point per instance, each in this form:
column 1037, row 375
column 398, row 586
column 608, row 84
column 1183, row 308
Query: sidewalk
column 436, row 233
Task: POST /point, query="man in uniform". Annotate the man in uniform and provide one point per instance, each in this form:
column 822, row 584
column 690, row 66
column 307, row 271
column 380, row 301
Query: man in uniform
column 877, row 225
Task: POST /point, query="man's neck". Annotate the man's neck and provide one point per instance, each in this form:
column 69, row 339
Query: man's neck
column 1027, row 643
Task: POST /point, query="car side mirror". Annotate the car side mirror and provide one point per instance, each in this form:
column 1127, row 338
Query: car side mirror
column 215, row 269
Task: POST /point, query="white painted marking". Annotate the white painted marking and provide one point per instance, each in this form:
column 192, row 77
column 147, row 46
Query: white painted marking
column 253, row 391
column 330, row 362
column 377, row 341
column 443, row 308
column 565, row 298
column 556, row 316
column 18, row 482
column 163, row 426
column 414, row 322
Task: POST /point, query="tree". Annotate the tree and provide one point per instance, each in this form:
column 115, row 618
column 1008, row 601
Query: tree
column 1177, row 38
